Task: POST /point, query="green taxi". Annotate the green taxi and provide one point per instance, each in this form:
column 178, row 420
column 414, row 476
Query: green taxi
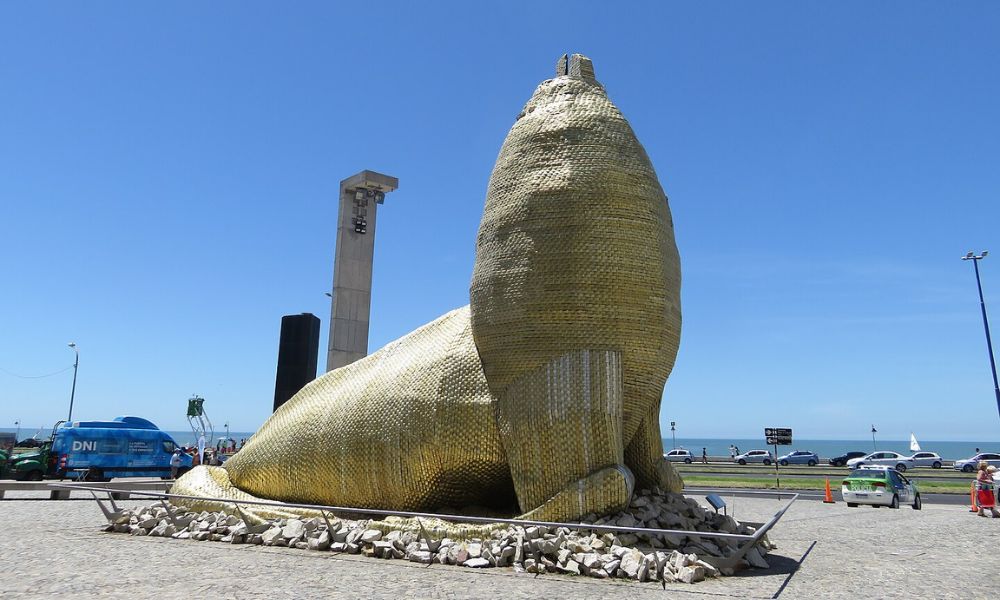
column 879, row 486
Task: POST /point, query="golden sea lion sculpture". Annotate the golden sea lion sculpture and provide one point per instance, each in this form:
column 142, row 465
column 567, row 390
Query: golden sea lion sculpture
column 546, row 389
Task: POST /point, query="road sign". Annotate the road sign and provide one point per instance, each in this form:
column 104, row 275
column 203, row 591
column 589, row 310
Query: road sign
column 778, row 436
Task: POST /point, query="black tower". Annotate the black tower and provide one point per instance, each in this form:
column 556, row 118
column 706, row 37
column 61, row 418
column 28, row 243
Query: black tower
column 297, row 353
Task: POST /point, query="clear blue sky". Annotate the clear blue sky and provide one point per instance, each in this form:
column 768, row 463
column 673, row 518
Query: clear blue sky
column 169, row 173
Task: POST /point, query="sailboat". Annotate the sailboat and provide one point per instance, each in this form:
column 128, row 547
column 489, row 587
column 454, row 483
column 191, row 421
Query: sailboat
column 914, row 446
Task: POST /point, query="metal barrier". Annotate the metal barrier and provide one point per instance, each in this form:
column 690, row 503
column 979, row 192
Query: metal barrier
column 745, row 542
column 61, row 491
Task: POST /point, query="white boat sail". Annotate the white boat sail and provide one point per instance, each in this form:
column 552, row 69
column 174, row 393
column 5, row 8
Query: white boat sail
column 914, row 446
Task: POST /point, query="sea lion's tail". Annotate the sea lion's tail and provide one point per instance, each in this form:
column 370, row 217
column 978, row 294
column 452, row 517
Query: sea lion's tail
column 209, row 488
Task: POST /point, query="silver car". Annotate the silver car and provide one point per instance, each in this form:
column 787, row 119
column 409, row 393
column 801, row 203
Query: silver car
column 887, row 459
column 799, row 457
column 679, row 455
column 927, row 459
column 969, row 465
column 755, row 456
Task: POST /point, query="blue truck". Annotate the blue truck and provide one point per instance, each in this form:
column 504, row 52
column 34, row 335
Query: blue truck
column 100, row 450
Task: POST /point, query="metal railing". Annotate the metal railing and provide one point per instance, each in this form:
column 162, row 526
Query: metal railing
column 744, row 541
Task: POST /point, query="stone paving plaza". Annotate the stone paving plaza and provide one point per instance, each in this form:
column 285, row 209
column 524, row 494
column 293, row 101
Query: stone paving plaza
column 54, row 548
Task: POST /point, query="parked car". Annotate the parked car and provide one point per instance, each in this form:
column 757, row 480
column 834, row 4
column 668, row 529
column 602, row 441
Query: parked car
column 841, row 461
column 887, row 459
column 879, row 486
column 679, row 455
column 968, row 465
column 755, row 456
column 799, row 457
column 927, row 459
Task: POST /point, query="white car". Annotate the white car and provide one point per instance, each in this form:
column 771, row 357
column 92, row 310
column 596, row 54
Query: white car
column 927, row 459
column 755, row 456
column 887, row 459
column 879, row 485
column 679, row 455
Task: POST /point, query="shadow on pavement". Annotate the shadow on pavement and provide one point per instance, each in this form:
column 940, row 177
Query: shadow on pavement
column 779, row 565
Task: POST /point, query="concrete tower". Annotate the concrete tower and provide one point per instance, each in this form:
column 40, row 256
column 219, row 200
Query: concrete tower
column 360, row 196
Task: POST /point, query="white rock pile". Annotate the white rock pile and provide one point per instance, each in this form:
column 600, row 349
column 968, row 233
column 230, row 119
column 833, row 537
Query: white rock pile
column 535, row 549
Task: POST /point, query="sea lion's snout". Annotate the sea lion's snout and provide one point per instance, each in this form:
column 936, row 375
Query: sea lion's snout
column 577, row 66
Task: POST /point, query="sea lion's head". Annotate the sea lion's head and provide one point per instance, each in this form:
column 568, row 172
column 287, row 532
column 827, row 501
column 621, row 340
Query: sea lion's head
column 576, row 247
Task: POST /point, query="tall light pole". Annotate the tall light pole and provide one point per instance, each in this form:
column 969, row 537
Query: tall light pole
column 874, row 431
column 18, row 434
column 72, row 393
column 986, row 323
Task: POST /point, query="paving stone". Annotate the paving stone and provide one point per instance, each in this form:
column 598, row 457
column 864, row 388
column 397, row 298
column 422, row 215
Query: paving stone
column 897, row 548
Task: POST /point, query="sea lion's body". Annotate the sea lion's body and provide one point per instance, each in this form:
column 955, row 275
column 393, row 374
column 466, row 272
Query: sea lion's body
column 409, row 425
column 549, row 386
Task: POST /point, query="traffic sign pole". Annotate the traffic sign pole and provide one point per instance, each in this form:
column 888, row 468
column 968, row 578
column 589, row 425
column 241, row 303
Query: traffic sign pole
column 777, row 436
column 777, row 479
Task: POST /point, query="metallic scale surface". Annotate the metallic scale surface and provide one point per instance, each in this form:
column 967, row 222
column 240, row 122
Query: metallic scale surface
column 544, row 393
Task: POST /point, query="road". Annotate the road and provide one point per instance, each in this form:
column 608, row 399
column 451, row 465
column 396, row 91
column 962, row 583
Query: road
column 950, row 499
column 922, row 475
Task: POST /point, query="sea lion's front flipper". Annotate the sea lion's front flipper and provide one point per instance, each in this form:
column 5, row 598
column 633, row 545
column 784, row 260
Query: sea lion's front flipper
column 561, row 425
column 213, row 482
column 611, row 486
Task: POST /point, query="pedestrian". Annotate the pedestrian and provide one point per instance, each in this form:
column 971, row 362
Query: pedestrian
column 977, row 450
column 984, row 484
column 175, row 463
column 737, row 449
column 704, row 455
column 732, row 451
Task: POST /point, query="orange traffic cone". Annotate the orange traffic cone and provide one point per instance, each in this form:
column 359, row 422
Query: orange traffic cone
column 972, row 498
column 829, row 495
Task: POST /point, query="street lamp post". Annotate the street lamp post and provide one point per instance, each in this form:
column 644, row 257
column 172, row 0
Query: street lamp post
column 874, row 431
column 17, row 435
column 986, row 323
column 672, row 435
column 72, row 393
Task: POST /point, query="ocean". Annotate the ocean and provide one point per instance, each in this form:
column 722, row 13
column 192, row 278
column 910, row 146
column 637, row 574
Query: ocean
column 184, row 438
column 714, row 446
